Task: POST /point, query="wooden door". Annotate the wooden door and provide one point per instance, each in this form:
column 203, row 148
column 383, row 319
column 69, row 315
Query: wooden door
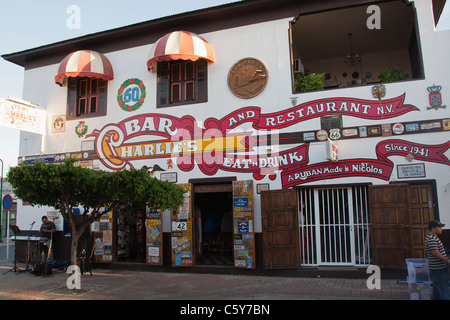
column 280, row 229
column 390, row 224
column 421, row 210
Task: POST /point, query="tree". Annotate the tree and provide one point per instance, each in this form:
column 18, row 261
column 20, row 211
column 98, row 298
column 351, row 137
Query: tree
column 67, row 186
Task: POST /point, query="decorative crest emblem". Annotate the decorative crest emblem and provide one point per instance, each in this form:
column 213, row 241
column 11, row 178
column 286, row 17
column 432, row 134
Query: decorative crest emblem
column 435, row 97
column 379, row 91
column 81, row 129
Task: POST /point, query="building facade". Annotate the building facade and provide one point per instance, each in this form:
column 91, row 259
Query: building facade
column 278, row 173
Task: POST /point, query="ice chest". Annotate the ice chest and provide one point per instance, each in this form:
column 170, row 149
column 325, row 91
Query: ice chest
column 418, row 270
column 419, row 290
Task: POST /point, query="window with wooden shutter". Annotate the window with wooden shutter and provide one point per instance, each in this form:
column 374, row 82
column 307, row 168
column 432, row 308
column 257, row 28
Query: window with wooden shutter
column 181, row 82
column 86, row 97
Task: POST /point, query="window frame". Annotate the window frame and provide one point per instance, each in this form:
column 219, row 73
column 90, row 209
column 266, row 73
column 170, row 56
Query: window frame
column 87, row 90
column 327, row 122
column 366, row 77
column 174, row 77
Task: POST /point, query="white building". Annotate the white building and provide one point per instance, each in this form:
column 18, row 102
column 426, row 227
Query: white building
column 355, row 171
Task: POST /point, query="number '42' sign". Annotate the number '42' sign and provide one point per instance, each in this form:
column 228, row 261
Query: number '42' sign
column 178, row 226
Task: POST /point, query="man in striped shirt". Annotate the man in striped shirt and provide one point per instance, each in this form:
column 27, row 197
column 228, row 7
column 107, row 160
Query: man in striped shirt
column 437, row 261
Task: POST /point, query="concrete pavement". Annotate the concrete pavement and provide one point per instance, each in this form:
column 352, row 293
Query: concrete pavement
column 117, row 284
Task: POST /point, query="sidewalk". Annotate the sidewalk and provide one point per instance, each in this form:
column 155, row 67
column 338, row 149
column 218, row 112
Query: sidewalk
column 113, row 284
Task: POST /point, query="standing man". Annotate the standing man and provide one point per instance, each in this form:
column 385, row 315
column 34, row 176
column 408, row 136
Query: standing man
column 437, row 261
column 48, row 228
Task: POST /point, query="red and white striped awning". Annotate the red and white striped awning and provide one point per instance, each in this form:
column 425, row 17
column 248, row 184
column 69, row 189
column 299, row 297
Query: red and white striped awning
column 180, row 45
column 84, row 63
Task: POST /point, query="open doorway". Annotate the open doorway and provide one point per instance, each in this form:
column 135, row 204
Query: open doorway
column 214, row 220
column 130, row 234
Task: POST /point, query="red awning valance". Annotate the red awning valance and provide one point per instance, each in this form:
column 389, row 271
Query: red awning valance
column 84, row 63
column 180, row 45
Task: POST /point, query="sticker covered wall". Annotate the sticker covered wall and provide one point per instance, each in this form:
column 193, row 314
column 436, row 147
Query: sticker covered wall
column 154, row 237
column 103, row 238
column 181, row 231
column 243, row 225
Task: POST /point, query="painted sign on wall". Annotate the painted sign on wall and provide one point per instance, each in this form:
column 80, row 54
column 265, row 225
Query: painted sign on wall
column 380, row 168
column 212, row 147
column 22, row 115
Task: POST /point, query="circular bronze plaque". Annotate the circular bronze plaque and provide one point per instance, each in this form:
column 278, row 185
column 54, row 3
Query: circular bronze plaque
column 247, row 78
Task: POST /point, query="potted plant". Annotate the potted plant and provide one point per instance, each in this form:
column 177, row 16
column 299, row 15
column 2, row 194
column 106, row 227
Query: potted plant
column 309, row 82
column 393, row 75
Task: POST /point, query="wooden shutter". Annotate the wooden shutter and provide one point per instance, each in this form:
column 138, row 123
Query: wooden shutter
column 102, row 101
column 390, row 224
column 71, row 113
column 72, row 99
column 163, row 84
column 201, row 80
column 280, row 229
column 176, row 84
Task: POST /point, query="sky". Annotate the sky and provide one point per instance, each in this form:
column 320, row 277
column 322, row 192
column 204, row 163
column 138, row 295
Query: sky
column 26, row 24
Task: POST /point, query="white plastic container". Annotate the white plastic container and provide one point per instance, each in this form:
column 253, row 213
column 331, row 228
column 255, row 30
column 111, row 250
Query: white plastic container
column 418, row 270
column 419, row 290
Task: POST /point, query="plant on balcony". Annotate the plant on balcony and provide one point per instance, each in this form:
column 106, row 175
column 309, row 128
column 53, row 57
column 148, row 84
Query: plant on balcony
column 309, row 82
column 393, row 75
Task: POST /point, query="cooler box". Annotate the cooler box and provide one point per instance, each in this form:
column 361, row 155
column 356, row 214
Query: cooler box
column 420, row 290
column 418, row 270
column 419, row 283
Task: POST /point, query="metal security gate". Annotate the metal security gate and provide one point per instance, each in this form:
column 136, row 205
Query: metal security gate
column 334, row 226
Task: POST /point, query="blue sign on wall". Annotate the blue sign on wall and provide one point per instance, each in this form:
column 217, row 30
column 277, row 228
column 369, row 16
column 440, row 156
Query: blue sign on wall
column 240, row 202
column 243, row 227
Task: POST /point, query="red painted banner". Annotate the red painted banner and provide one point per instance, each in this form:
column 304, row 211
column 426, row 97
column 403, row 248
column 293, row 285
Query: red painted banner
column 213, row 147
column 367, row 109
column 183, row 138
column 380, row 168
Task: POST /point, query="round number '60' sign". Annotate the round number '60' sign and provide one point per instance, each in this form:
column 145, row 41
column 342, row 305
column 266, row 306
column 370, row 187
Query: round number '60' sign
column 131, row 94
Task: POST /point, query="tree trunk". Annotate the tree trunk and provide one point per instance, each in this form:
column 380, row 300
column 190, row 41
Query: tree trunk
column 76, row 234
column 77, row 230
column 74, row 252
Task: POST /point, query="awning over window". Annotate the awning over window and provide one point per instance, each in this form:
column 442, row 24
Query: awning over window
column 180, row 45
column 84, row 63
